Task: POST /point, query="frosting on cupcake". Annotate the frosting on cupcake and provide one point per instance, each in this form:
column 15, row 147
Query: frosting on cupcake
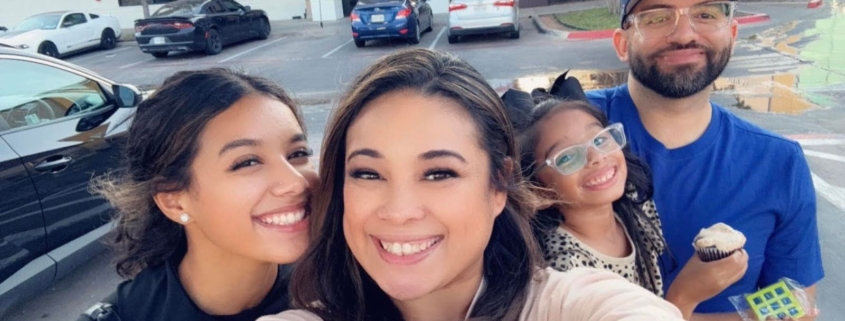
column 720, row 236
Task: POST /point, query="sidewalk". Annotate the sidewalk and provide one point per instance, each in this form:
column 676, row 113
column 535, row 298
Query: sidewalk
column 311, row 28
column 755, row 12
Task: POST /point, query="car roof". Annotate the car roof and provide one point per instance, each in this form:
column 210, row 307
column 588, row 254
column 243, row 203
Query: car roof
column 53, row 13
column 6, row 50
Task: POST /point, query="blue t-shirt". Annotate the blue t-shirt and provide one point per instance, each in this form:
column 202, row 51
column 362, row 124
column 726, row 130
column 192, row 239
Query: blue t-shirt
column 737, row 173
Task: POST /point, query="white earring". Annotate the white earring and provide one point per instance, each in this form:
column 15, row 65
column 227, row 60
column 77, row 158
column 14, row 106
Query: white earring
column 184, row 217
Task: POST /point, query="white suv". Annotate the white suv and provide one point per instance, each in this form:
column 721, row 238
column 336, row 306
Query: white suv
column 468, row 17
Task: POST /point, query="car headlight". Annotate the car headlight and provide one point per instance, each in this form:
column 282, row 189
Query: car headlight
column 23, row 46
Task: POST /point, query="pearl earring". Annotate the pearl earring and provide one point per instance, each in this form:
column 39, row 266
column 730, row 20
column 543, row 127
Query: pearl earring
column 184, row 217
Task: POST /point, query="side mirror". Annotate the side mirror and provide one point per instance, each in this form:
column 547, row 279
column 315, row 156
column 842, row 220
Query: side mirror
column 126, row 95
column 247, row 8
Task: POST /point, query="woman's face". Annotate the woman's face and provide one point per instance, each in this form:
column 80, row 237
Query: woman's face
column 419, row 204
column 251, row 182
column 600, row 182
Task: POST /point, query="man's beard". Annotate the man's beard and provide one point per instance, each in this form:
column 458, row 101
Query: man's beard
column 684, row 81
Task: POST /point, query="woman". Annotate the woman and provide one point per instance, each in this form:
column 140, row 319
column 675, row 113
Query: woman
column 424, row 215
column 214, row 197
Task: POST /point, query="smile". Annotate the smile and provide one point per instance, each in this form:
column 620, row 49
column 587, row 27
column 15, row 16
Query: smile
column 603, row 179
column 283, row 219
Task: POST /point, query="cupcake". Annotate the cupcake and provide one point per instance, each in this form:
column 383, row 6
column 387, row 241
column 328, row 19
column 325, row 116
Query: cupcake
column 718, row 242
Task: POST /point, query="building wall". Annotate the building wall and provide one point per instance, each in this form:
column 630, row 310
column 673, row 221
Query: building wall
column 15, row 11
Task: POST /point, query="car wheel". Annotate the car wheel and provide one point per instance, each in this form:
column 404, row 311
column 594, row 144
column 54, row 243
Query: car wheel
column 159, row 54
column 214, row 42
column 48, row 49
column 417, row 34
column 108, row 40
column 453, row 39
column 430, row 23
column 360, row 43
column 264, row 29
column 515, row 34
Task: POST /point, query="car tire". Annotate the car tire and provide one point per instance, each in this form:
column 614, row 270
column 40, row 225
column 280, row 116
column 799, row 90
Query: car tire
column 452, row 39
column 108, row 40
column 159, row 54
column 430, row 23
column 48, row 49
column 515, row 34
column 214, row 42
column 360, row 43
column 417, row 34
column 264, row 29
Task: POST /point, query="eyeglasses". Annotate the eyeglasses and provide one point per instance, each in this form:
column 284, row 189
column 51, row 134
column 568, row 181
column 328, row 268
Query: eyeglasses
column 572, row 159
column 703, row 17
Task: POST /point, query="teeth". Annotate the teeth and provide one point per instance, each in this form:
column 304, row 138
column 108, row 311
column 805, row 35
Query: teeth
column 284, row 219
column 603, row 179
column 402, row 249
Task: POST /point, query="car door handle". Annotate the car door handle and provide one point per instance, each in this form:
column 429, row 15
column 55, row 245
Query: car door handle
column 54, row 164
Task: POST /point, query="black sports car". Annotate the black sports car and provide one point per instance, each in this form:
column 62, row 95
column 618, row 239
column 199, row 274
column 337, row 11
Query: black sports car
column 188, row 25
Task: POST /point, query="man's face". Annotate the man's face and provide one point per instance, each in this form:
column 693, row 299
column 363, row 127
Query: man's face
column 681, row 63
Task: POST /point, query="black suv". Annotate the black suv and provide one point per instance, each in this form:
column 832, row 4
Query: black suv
column 60, row 125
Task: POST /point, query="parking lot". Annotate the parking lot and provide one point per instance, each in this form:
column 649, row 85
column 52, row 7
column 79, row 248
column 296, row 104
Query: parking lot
column 315, row 64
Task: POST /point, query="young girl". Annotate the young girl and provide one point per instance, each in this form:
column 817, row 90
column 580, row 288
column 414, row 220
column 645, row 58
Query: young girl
column 602, row 214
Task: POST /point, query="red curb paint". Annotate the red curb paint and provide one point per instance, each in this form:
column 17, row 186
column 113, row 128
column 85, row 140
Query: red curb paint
column 608, row 33
column 814, row 4
column 590, row 35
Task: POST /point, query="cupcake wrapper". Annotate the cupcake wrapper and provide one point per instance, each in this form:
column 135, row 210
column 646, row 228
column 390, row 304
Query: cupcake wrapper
column 710, row 254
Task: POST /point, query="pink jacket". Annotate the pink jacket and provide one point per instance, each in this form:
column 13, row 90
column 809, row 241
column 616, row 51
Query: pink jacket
column 581, row 294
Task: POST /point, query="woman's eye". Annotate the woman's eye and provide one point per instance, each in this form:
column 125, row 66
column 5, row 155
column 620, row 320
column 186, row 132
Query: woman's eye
column 245, row 163
column 364, row 174
column 304, row 152
column 440, row 174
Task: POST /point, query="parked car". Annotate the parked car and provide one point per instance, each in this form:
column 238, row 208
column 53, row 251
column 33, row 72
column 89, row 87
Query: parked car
column 3, row 30
column 60, row 125
column 56, row 34
column 188, row 25
column 471, row 17
column 383, row 19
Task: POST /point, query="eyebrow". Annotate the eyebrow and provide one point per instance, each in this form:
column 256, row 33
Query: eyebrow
column 239, row 143
column 653, row 6
column 429, row 155
column 298, row 138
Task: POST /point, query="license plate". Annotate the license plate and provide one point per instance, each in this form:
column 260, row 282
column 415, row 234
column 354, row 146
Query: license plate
column 157, row 40
column 377, row 18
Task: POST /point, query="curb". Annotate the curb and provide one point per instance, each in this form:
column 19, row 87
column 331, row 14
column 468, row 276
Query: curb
column 608, row 33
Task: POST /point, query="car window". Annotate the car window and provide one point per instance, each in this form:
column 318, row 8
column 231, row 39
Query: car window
column 94, row 16
column 32, row 93
column 213, row 7
column 46, row 21
column 230, row 6
column 74, row 19
column 180, row 8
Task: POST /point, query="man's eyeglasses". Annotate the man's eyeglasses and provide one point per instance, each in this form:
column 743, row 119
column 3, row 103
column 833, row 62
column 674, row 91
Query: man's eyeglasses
column 703, row 17
column 572, row 159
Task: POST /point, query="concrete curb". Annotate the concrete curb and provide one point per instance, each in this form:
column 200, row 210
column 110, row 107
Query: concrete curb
column 608, row 33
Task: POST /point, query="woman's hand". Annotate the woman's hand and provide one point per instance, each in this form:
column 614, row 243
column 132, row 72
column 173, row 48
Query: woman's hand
column 700, row 281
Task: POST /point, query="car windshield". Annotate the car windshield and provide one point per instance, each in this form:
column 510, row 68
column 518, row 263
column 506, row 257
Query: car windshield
column 46, row 21
column 369, row 2
column 180, row 8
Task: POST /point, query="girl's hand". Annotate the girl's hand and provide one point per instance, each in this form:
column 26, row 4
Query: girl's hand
column 699, row 281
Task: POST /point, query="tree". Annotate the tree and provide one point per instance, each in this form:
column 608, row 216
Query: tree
column 614, row 6
column 146, row 7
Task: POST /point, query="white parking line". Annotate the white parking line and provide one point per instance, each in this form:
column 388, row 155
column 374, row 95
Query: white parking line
column 820, row 142
column 251, row 50
column 336, row 49
column 442, row 30
column 834, row 195
column 136, row 63
column 827, row 156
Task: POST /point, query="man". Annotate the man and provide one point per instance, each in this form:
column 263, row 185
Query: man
column 709, row 165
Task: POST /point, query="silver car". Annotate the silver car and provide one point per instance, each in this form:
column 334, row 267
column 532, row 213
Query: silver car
column 470, row 17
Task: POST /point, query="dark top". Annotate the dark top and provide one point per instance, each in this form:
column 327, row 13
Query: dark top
column 157, row 294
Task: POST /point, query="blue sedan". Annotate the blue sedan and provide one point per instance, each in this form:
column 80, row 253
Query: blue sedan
column 383, row 19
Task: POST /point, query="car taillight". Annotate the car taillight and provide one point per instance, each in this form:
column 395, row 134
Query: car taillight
column 355, row 17
column 504, row 3
column 456, row 6
column 404, row 13
column 140, row 28
column 182, row 25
